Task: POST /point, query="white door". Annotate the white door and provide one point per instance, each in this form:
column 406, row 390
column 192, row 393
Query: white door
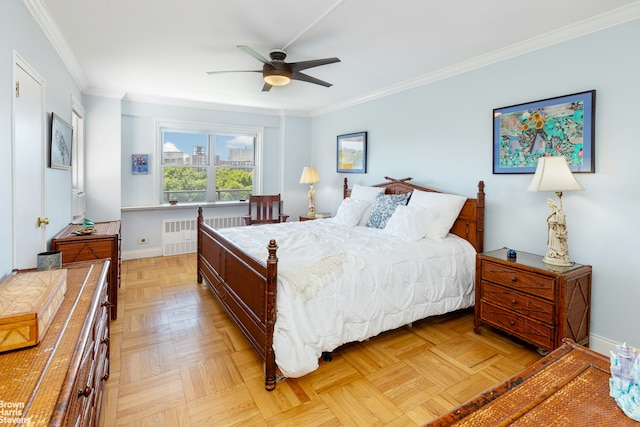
column 29, row 237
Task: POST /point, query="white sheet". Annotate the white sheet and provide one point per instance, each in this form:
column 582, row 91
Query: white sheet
column 338, row 285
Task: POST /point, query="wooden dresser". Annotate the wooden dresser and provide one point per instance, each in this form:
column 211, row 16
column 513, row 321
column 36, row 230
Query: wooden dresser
column 60, row 381
column 531, row 300
column 568, row 387
column 104, row 243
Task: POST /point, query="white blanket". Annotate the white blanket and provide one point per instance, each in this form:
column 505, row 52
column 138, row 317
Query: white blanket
column 338, row 285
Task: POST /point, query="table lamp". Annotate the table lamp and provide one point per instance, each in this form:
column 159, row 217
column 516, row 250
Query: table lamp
column 553, row 174
column 310, row 176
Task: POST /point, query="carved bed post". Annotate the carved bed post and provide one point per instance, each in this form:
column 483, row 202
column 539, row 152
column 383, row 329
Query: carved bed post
column 345, row 189
column 199, row 262
column 270, row 312
column 480, row 215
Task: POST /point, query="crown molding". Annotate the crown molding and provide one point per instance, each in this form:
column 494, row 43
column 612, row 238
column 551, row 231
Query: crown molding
column 41, row 14
column 105, row 93
column 190, row 103
column 615, row 17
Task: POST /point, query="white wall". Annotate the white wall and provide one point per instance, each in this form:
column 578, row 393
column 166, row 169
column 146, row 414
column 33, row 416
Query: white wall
column 441, row 135
column 103, row 167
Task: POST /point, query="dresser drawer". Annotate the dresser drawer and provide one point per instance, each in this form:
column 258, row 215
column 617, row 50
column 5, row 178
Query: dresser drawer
column 534, row 284
column 84, row 251
column 525, row 304
column 530, row 330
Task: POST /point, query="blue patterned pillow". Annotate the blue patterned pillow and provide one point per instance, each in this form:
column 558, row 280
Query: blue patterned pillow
column 383, row 208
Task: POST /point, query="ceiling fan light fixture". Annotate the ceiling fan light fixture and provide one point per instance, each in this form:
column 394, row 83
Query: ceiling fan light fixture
column 277, row 77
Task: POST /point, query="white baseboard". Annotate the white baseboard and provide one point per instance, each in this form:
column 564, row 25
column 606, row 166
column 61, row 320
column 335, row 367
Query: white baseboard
column 601, row 344
column 143, row 253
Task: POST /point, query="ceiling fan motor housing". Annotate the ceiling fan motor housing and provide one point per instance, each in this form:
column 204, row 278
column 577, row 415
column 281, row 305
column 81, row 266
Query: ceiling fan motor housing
column 277, row 54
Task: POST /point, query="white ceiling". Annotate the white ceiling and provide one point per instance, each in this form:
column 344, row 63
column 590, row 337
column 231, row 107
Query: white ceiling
column 148, row 49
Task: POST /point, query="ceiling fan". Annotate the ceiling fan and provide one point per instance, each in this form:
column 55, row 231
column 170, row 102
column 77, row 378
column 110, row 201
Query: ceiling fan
column 277, row 72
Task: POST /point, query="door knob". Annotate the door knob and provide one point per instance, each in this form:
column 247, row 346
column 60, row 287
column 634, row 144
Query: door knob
column 42, row 221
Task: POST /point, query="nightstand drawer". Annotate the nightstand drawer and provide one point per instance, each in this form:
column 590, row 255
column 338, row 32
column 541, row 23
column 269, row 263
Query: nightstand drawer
column 522, row 303
column 530, row 330
column 534, row 284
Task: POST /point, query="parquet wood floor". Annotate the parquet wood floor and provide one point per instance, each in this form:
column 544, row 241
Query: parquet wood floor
column 177, row 360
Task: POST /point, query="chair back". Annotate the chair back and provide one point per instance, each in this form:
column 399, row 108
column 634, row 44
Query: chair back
column 265, row 209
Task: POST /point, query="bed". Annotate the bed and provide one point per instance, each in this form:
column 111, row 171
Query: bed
column 338, row 280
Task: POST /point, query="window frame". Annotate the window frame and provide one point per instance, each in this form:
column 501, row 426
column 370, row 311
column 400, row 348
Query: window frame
column 211, row 130
column 78, row 146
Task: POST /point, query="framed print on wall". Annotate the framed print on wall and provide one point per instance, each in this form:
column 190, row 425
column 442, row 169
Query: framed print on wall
column 60, row 143
column 561, row 126
column 352, row 153
column 139, row 164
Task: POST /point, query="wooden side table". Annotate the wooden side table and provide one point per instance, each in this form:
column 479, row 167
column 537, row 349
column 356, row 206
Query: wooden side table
column 538, row 303
column 104, row 243
column 318, row 216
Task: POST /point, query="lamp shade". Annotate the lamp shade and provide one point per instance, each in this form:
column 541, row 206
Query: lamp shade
column 553, row 174
column 276, row 77
column 309, row 175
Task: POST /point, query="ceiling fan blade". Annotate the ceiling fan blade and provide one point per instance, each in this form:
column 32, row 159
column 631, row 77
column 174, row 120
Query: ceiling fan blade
column 299, row 66
column 253, row 53
column 307, row 78
column 267, row 87
column 234, row 71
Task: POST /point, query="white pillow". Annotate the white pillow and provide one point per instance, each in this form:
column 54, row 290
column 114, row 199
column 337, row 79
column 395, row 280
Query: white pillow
column 361, row 192
column 350, row 211
column 410, row 222
column 448, row 207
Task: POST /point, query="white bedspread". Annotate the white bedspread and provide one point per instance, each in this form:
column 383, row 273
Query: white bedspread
column 338, row 285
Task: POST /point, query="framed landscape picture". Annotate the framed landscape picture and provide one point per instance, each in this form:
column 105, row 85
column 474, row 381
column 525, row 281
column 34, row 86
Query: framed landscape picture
column 352, row 153
column 60, row 143
column 564, row 126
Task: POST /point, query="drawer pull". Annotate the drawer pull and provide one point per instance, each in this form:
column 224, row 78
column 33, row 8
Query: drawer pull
column 512, row 322
column 84, row 393
column 514, row 301
column 514, row 279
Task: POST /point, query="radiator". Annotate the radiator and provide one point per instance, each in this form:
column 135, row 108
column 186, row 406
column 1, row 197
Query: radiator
column 179, row 236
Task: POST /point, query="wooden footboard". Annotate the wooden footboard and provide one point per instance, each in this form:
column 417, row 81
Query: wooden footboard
column 245, row 287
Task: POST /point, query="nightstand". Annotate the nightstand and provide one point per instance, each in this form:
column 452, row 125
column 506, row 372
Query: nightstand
column 538, row 303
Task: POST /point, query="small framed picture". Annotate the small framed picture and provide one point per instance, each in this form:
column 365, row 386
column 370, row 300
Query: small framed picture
column 139, row 164
column 352, row 153
column 561, row 126
column 60, row 143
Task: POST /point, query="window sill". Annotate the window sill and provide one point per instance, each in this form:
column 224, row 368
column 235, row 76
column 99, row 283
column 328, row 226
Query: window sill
column 182, row 206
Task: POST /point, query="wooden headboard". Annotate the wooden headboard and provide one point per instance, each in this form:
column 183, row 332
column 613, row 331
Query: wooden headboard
column 470, row 223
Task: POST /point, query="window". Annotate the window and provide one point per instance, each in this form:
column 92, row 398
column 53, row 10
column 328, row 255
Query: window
column 208, row 165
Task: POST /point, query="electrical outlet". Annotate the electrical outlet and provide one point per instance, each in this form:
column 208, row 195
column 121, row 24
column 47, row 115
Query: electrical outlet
column 143, row 240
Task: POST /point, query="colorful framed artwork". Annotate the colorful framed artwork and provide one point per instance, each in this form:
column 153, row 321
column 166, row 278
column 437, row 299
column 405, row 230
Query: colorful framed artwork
column 139, row 164
column 561, row 126
column 352, row 153
column 60, row 143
